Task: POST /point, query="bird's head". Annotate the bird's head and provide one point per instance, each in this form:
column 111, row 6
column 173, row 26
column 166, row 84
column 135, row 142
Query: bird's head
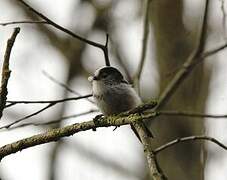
column 107, row 75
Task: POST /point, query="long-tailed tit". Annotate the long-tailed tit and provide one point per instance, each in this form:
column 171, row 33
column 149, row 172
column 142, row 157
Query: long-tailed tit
column 113, row 94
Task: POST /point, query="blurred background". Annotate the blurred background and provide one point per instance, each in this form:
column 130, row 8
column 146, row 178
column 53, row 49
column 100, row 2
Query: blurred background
column 107, row 154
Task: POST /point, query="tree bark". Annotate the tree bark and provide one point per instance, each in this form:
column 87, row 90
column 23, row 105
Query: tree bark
column 173, row 45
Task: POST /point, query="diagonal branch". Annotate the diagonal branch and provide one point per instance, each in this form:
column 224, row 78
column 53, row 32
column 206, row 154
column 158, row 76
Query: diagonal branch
column 64, row 85
column 104, row 48
column 186, row 139
column 54, row 121
column 144, row 47
column 6, row 71
column 23, row 22
column 189, row 64
column 28, row 116
column 42, row 16
column 50, row 104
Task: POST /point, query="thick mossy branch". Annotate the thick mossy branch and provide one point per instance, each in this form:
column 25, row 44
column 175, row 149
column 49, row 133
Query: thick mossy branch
column 56, row 134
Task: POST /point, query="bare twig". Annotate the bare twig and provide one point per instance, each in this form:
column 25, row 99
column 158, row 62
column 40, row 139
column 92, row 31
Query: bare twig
column 145, row 109
column 23, row 22
column 211, row 52
column 60, row 27
column 6, row 71
column 60, row 83
column 190, row 114
column 186, row 70
column 64, row 85
column 104, row 48
column 50, row 104
column 189, row 64
column 202, row 57
column 144, row 47
column 9, row 105
column 53, row 121
column 28, row 116
column 51, row 101
column 117, row 51
column 186, row 139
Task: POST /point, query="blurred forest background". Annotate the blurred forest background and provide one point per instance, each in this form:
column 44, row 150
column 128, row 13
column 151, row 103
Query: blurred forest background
column 107, row 154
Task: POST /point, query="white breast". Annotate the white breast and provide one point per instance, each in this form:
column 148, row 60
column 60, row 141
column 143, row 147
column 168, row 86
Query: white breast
column 113, row 99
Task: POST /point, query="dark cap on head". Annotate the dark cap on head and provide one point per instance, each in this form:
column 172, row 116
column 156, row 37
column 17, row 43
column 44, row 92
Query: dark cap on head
column 108, row 73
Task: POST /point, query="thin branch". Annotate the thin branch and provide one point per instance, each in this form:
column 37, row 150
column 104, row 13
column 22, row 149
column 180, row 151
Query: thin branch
column 64, row 85
column 186, row 139
column 28, row 116
column 116, row 49
column 50, row 104
column 106, row 51
column 189, row 64
column 104, row 48
column 60, row 27
column 144, row 46
column 6, row 71
column 203, row 57
column 60, row 83
column 23, row 22
column 195, row 59
column 53, row 121
column 141, row 108
column 51, row 101
column 212, row 52
column 190, row 114
column 9, row 105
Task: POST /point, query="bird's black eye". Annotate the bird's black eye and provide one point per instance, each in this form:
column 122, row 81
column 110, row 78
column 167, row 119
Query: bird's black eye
column 104, row 75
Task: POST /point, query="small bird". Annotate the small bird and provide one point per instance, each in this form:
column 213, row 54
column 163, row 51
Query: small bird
column 113, row 94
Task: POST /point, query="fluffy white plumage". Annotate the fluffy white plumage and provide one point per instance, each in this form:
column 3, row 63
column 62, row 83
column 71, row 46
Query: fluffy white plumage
column 113, row 94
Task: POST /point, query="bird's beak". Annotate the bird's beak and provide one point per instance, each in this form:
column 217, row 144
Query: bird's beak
column 92, row 78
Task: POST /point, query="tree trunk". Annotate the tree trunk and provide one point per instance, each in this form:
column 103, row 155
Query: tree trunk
column 173, row 45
